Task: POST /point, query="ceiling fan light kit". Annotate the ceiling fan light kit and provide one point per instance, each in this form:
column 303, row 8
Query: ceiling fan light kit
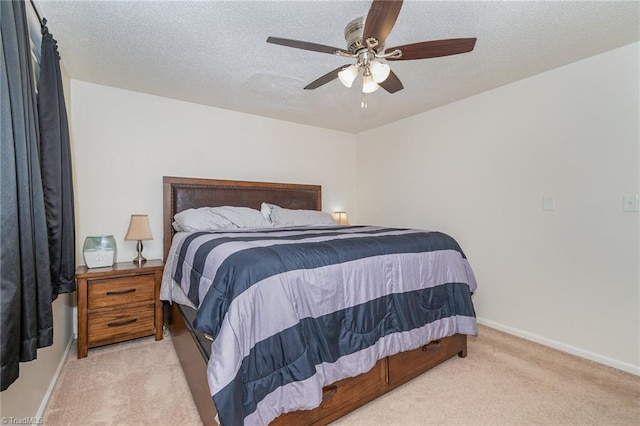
column 374, row 72
column 365, row 37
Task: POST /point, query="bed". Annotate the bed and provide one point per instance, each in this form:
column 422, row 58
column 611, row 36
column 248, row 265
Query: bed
column 337, row 398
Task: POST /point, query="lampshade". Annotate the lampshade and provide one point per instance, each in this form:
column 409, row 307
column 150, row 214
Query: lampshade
column 139, row 228
column 368, row 84
column 348, row 75
column 341, row 218
column 379, row 71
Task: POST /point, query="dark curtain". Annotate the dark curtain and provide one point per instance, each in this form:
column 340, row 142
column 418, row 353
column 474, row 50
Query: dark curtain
column 26, row 290
column 55, row 165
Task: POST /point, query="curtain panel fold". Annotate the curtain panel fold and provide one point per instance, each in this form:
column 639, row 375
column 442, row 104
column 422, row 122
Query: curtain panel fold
column 26, row 288
column 55, row 166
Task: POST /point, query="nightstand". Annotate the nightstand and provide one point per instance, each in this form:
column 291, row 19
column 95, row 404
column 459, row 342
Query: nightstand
column 118, row 303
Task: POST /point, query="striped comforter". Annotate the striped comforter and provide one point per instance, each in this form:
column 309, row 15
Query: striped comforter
column 294, row 309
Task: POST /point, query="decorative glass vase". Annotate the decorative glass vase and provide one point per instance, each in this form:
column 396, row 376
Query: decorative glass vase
column 99, row 251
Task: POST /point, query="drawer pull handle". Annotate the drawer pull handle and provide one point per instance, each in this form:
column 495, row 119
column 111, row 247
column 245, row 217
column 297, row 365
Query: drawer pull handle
column 118, row 292
column 329, row 392
column 431, row 346
column 121, row 323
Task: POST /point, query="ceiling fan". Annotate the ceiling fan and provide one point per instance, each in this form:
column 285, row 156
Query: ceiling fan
column 365, row 38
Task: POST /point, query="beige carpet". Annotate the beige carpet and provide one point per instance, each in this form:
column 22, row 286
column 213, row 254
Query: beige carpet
column 504, row 381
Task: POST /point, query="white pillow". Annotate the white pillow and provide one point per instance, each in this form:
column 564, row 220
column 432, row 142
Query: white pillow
column 243, row 217
column 289, row 217
column 201, row 219
column 225, row 217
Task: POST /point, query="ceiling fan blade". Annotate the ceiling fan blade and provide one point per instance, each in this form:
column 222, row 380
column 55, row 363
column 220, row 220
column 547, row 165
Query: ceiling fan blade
column 392, row 83
column 331, row 75
column 380, row 19
column 433, row 49
column 314, row 47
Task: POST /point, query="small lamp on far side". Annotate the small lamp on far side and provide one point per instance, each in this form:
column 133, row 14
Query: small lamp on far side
column 341, row 218
column 139, row 230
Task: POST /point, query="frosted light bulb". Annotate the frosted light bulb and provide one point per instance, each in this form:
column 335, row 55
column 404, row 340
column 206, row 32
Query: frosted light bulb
column 368, row 84
column 348, row 75
column 379, row 71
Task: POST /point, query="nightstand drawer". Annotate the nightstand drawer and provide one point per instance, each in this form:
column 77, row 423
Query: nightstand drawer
column 127, row 322
column 120, row 291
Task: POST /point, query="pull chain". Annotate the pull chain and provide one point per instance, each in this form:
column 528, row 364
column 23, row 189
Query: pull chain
column 363, row 102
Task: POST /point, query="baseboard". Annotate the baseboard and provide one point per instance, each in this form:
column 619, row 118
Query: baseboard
column 54, row 379
column 624, row 366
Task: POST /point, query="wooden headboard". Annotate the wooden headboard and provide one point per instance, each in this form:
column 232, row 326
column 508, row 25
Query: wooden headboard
column 181, row 193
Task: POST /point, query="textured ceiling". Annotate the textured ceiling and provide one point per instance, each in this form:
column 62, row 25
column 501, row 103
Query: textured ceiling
column 215, row 52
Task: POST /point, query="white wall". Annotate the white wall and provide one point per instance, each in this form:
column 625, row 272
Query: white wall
column 125, row 142
column 479, row 168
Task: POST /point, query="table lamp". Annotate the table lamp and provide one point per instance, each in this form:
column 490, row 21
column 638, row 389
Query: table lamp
column 139, row 230
column 341, row 218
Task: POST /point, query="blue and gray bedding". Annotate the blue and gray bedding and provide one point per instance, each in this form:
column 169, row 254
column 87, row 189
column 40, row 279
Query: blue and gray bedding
column 294, row 309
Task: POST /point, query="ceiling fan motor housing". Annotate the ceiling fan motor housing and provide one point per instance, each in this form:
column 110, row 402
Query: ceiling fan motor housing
column 353, row 35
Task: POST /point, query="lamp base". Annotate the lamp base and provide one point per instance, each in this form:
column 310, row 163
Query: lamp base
column 139, row 259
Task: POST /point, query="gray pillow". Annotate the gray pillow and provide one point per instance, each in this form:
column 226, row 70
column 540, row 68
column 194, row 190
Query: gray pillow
column 288, row 217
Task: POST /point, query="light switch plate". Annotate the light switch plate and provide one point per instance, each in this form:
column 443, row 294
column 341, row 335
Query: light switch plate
column 549, row 203
column 630, row 203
